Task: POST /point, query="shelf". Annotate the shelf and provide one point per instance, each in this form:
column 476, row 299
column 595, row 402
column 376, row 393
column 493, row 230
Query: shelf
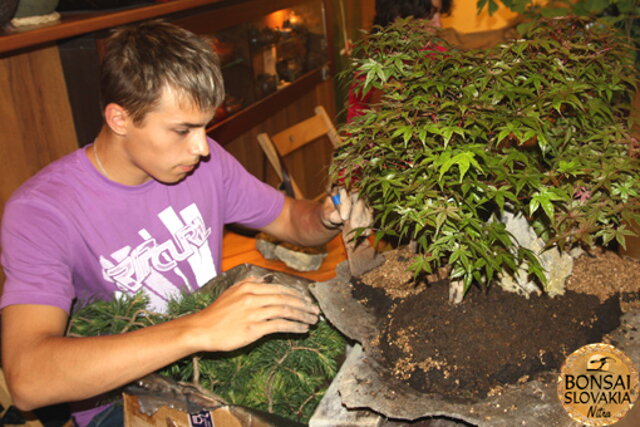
column 200, row 16
column 76, row 23
column 233, row 126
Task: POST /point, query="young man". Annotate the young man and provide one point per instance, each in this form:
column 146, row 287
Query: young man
column 141, row 209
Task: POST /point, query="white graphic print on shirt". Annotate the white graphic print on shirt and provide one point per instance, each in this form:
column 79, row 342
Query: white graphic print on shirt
column 142, row 267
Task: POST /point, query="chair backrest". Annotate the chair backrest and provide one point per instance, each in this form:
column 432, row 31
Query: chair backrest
column 283, row 143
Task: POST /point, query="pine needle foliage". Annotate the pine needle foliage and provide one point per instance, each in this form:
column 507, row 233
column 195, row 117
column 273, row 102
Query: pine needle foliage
column 285, row 374
column 538, row 126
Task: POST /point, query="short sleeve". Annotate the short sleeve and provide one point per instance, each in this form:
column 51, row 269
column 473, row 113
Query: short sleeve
column 35, row 256
column 247, row 200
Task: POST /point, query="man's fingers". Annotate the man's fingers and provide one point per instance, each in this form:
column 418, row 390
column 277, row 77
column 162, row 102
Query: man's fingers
column 284, row 312
column 330, row 216
column 334, row 218
column 256, row 286
column 250, row 309
column 345, row 205
column 279, row 326
column 257, row 301
column 352, row 208
column 361, row 215
column 255, row 296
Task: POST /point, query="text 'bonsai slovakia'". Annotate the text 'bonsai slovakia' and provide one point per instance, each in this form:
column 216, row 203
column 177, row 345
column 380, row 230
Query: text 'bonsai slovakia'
column 538, row 126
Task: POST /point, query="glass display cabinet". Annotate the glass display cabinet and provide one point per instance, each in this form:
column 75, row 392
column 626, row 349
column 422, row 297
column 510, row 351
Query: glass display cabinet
column 265, row 54
column 270, row 53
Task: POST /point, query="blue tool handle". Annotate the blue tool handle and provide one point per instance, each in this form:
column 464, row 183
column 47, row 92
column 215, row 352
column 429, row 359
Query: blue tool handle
column 336, row 199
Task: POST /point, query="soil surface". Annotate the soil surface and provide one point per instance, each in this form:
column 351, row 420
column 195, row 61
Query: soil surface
column 468, row 351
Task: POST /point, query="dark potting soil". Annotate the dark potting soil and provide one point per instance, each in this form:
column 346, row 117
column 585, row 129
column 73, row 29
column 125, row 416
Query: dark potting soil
column 468, row 351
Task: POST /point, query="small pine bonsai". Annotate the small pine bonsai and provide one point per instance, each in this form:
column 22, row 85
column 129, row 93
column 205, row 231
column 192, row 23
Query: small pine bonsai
column 538, row 126
column 283, row 374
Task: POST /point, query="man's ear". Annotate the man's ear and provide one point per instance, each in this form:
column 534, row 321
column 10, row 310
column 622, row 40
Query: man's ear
column 117, row 118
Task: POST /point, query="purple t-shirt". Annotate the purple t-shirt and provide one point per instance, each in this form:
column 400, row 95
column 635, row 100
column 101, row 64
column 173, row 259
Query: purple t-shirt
column 70, row 234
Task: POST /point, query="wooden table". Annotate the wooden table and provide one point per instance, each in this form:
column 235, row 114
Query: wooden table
column 238, row 249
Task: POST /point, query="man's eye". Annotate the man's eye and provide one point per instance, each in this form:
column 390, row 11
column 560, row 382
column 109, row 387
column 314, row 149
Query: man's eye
column 182, row 131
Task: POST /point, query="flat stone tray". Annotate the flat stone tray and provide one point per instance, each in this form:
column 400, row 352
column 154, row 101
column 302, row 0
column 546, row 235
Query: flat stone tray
column 155, row 391
column 364, row 383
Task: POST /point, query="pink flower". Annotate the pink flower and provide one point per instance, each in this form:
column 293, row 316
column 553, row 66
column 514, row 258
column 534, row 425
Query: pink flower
column 582, row 194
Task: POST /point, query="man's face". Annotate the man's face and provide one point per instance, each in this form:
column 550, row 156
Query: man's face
column 169, row 142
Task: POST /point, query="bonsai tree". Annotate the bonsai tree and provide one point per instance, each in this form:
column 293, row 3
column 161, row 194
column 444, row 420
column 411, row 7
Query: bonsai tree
column 624, row 14
column 538, row 126
column 626, row 9
column 283, row 374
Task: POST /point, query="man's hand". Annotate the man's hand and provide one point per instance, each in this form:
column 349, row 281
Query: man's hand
column 250, row 310
column 350, row 207
column 43, row 367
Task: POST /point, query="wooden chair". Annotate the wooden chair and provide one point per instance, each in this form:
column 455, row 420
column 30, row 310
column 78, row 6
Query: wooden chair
column 283, row 143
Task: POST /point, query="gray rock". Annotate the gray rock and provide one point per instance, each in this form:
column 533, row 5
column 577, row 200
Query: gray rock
column 557, row 265
column 300, row 261
column 330, row 412
column 267, row 249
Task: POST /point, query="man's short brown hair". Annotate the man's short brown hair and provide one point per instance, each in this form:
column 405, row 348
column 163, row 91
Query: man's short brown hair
column 142, row 60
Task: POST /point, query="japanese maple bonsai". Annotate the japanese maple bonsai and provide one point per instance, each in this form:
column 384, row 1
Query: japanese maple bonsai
column 537, row 126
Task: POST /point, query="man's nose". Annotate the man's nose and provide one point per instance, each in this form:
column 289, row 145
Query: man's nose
column 199, row 145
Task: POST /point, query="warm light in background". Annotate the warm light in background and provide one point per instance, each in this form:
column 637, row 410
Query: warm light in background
column 294, row 19
column 465, row 19
column 276, row 19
